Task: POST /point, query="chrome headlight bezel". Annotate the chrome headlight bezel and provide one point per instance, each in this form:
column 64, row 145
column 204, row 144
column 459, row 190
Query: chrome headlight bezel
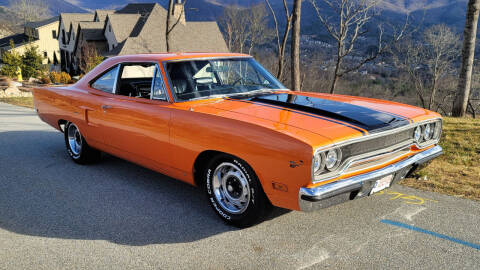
column 319, row 161
column 431, row 132
column 417, row 134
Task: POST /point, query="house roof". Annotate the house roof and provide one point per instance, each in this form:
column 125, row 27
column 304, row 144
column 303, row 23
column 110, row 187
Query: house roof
column 68, row 18
column 149, row 35
column 137, row 8
column 101, row 14
column 123, row 24
column 42, row 23
column 18, row 40
column 197, row 36
column 91, row 30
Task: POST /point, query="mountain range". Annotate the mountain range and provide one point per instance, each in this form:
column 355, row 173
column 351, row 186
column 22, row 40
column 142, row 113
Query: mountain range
column 450, row 12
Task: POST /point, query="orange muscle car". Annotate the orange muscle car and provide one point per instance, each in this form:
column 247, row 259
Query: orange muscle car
column 221, row 121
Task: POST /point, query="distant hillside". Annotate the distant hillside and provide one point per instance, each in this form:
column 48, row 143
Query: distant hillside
column 450, row 12
column 55, row 6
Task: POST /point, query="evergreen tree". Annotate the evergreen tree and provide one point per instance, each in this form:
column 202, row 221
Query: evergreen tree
column 31, row 62
column 11, row 60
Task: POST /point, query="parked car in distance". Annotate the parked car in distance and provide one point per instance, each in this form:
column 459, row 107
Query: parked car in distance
column 222, row 122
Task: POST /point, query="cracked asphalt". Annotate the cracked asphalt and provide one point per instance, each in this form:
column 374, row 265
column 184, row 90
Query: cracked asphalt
column 55, row 214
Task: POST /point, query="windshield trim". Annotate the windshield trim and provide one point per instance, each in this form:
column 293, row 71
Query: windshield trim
column 172, row 92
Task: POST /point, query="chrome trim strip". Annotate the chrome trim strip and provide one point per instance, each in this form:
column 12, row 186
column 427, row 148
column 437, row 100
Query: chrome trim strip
column 153, row 81
column 380, row 134
column 116, row 79
column 362, row 158
column 356, row 182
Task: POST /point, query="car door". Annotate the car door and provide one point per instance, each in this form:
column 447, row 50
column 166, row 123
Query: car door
column 101, row 90
column 137, row 128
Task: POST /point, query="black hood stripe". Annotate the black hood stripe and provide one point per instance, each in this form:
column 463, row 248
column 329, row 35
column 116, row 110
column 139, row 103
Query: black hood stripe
column 354, row 116
column 306, row 114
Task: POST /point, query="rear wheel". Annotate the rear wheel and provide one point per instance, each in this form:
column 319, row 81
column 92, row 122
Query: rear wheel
column 77, row 148
column 234, row 191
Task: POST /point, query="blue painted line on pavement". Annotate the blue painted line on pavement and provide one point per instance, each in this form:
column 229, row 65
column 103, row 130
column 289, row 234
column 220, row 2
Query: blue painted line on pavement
column 442, row 236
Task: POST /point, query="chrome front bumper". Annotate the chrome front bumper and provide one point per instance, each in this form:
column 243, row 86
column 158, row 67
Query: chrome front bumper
column 360, row 185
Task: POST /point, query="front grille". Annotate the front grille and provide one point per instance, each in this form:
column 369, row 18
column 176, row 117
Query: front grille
column 377, row 160
column 375, row 144
column 372, row 152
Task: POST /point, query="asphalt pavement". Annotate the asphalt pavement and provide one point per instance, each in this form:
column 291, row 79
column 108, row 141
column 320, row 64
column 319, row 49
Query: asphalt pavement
column 55, row 214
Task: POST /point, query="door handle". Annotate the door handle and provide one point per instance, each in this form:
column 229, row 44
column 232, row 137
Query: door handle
column 106, row 107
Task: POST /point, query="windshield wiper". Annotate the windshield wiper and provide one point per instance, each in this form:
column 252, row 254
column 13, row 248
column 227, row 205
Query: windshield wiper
column 237, row 95
column 251, row 93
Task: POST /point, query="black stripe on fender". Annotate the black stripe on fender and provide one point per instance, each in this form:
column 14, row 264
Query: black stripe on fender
column 306, row 114
column 361, row 117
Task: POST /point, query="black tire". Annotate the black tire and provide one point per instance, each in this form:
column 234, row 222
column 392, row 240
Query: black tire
column 255, row 209
column 78, row 149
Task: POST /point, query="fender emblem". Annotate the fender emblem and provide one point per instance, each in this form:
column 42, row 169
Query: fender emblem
column 294, row 164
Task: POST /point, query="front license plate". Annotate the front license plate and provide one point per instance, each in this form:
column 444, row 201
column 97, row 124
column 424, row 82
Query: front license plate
column 382, row 183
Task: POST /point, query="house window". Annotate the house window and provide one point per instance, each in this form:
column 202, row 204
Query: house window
column 54, row 34
column 45, row 55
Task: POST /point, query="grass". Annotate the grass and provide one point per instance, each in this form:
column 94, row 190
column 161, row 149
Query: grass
column 457, row 171
column 19, row 101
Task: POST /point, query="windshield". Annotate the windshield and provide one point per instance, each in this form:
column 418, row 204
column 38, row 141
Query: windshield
column 195, row 79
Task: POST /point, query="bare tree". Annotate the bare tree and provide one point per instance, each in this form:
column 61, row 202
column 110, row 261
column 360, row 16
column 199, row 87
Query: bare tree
column 233, row 23
column 348, row 26
column 245, row 28
column 428, row 61
column 89, row 58
column 468, row 51
column 29, row 10
column 169, row 25
column 295, row 54
column 283, row 43
column 258, row 29
column 442, row 49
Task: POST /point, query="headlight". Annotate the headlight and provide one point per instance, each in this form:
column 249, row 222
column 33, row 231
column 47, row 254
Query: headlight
column 329, row 159
column 418, row 134
column 438, row 130
column 318, row 163
column 427, row 132
column 332, row 159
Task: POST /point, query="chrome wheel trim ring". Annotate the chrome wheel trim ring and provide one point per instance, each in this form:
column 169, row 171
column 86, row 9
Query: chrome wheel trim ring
column 74, row 139
column 231, row 188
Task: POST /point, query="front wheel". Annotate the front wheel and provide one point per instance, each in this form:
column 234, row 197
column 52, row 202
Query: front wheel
column 77, row 147
column 234, row 191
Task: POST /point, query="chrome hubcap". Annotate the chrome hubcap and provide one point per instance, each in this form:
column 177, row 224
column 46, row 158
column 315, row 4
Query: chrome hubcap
column 231, row 188
column 74, row 139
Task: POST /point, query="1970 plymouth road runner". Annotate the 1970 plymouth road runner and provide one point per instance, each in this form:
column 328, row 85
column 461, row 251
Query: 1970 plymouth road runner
column 221, row 121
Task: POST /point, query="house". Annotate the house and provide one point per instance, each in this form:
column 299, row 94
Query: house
column 42, row 34
column 136, row 28
column 67, row 27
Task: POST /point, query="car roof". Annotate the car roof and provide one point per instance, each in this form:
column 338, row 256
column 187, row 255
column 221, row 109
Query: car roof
column 174, row 56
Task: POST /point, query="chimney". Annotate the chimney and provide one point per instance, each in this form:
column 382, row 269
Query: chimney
column 179, row 12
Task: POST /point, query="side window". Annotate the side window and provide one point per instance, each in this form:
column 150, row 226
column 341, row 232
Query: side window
column 159, row 87
column 136, row 80
column 106, row 83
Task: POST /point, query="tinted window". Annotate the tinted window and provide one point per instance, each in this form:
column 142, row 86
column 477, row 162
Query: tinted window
column 106, row 83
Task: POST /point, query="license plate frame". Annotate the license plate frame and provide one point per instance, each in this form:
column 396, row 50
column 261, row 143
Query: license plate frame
column 382, row 183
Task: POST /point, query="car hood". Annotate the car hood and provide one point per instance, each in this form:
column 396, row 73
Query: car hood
column 335, row 117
